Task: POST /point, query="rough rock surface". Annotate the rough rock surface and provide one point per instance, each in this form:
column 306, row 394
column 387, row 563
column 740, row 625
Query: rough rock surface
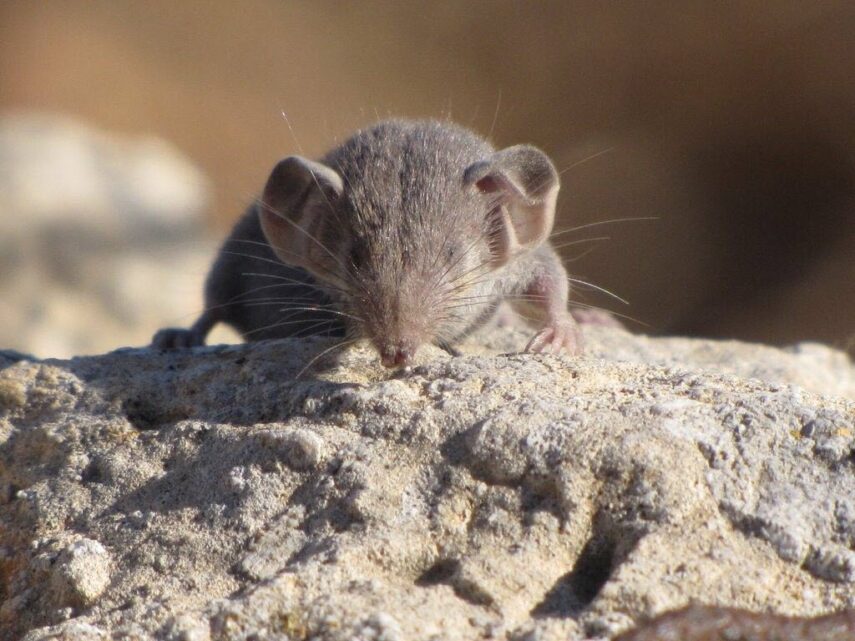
column 706, row 623
column 211, row 494
column 98, row 236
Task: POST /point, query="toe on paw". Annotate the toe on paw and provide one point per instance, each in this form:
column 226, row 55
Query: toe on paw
column 558, row 338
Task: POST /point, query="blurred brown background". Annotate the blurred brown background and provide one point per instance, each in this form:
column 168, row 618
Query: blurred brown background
column 733, row 123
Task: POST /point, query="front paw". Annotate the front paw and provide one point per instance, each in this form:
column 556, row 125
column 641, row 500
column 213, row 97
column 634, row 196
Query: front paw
column 175, row 338
column 559, row 335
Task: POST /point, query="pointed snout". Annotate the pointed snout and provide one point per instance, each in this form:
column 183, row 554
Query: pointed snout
column 397, row 354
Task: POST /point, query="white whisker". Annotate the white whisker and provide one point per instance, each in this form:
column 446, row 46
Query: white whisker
column 598, row 288
column 603, row 222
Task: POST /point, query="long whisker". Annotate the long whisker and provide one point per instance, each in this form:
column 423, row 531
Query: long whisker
column 581, row 240
column 549, row 179
column 258, row 289
column 495, row 115
column 286, row 323
column 282, row 323
column 598, row 288
column 293, row 134
column 339, row 345
column 308, row 301
column 260, row 258
column 295, row 281
column 272, row 210
column 490, row 297
column 326, row 311
column 476, row 279
column 261, row 302
column 332, row 209
column 286, row 279
column 458, row 280
column 254, row 242
column 603, row 222
column 580, row 256
column 522, row 299
column 346, row 274
column 311, row 329
column 235, row 300
column 269, row 246
column 465, row 301
column 240, row 299
column 587, row 159
column 454, row 264
column 448, row 231
column 574, row 303
column 303, row 153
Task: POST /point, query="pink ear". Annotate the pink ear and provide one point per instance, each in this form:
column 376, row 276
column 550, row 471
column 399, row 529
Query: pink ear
column 293, row 207
column 524, row 186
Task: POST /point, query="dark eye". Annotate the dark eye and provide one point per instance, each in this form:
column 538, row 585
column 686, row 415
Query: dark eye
column 358, row 255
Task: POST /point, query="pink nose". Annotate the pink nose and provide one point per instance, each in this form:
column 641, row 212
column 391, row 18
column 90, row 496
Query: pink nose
column 396, row 355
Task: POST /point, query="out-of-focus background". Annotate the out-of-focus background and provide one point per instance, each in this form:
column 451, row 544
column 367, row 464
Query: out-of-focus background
column 133, row 134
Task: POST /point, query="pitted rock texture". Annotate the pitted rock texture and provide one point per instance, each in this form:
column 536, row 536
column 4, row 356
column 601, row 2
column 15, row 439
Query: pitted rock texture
column 698, row 623
column 492, row 495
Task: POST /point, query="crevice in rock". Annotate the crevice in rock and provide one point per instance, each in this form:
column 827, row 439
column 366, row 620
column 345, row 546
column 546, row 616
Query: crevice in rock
column 141, row 414
column 12, row 492
column 540, row 495
column 92, row 473
column 577, row 589
column 453, row 449
column 442, row 571
column 448, row 572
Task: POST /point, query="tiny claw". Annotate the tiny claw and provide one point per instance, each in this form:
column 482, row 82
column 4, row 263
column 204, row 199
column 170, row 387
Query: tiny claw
column 559, row 335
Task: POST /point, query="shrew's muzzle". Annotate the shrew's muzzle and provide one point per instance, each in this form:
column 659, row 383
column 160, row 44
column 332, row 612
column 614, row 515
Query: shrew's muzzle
column 397, row 353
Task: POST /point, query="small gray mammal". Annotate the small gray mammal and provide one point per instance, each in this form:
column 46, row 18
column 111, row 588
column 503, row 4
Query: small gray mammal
column 410, row 232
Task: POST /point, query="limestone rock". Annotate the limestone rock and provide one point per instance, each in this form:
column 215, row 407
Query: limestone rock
column 494, row 494
column 698, row 623
column 99, row 236
column 80, row 573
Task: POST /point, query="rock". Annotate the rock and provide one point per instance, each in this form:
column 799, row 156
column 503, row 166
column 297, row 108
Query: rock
column 76, row 630
column 99, row 236
column 80, row 573
column 59, row 175
column 697, row 623
column 494, row 494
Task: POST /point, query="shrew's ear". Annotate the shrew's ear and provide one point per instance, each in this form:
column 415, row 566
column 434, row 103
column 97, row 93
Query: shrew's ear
column 524, row 186
column 294, row 206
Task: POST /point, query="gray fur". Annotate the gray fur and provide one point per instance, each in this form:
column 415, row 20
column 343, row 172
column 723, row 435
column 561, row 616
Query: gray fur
column 409, row 232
